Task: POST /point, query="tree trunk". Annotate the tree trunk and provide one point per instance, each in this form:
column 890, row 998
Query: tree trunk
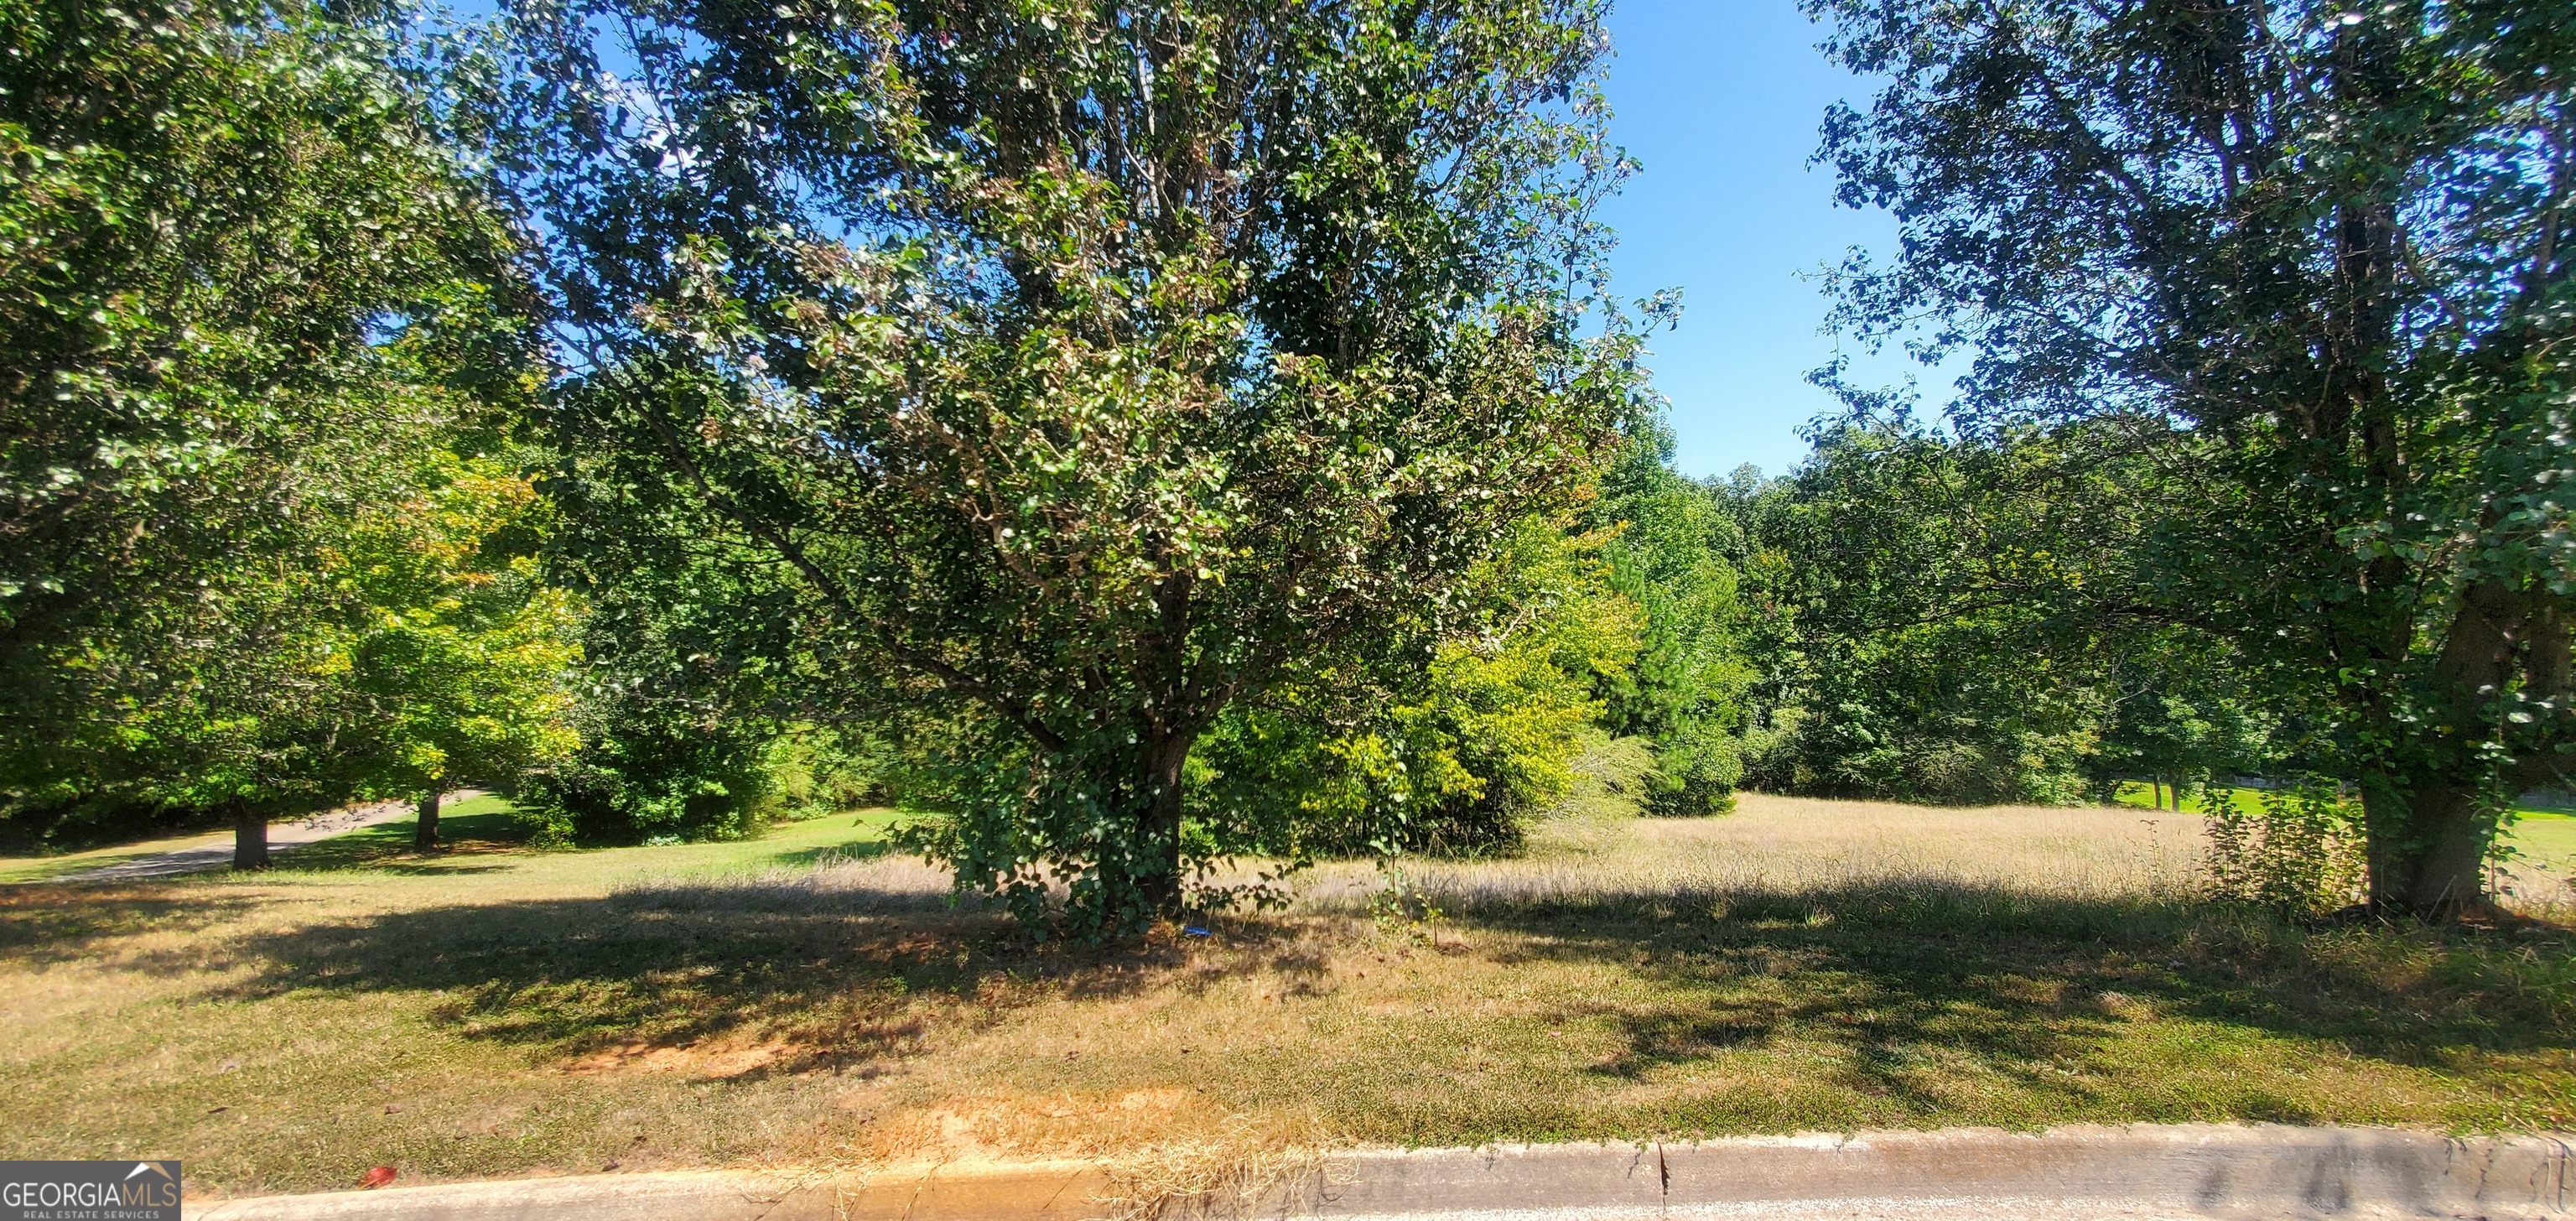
column 250, row 836
column 424, row 835
column 2428, row 836
column 1164, row 759
column 2428, row 849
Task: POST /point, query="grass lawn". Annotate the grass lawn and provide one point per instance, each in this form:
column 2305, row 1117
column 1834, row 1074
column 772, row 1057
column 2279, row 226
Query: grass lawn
column 2547, row 842
column 2547, row 837
column 2137, row 793
column 472, row 827
column 39, row 868
column 1799, row 965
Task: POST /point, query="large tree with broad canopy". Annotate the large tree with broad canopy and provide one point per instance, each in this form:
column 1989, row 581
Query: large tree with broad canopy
column 1064, row 372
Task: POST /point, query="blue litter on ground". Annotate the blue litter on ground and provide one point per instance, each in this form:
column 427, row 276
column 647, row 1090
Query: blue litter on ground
column 1194, row 930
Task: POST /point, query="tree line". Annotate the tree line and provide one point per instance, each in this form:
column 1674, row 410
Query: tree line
column 1138, row 436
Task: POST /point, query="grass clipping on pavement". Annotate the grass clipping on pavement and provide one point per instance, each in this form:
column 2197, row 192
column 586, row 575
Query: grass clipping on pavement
column 1799, row 965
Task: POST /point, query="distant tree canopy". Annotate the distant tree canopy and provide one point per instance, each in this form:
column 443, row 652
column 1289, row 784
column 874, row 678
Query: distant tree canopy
column 1943, row 619
column 2308, row 264
column 1668, row 551
column 1913, row 621
column 251, row 309
column 1060, row 375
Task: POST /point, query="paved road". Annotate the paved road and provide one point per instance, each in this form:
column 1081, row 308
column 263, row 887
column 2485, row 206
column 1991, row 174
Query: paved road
column 282, row 837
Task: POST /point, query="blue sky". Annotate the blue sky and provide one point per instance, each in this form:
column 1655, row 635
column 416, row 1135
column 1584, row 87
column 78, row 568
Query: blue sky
column 1721, row 100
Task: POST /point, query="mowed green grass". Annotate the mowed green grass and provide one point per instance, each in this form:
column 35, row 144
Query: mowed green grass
column 496, row 1010
column 2547, row 837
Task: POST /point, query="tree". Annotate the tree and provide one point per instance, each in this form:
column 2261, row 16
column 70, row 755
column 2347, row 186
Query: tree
column 1922, row 611
column 1686, row 690
column 1076, row 370
column 411, row 651
column 2326, row 250
column 2181, row 717
column 243, row 290
column 457, row 650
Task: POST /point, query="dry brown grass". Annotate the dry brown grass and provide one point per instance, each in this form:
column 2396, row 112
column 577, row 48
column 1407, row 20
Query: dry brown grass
column 1798, row 965
column 1798, row 845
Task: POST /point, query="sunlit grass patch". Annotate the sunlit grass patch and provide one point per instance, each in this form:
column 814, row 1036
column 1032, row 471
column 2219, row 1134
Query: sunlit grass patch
column 2540, row 878
column 2549, row 838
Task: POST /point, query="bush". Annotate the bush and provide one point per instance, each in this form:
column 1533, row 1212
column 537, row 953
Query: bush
column 1942, row 738
column 816, row 771
column 1452, row 755
column 1667, row 539
column 2299, row 853
column 638, row 777
column 1697, row 765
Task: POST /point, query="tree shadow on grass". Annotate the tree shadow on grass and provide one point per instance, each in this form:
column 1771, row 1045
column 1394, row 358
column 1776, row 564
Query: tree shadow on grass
column 1897, row 979
column 832, row 854
column 831, row 977
column 840, row 969
column 468, row 843
column 63, row 922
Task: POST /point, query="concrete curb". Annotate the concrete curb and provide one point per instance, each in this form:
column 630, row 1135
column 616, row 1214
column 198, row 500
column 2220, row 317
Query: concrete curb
column 1036, row 1191
column 2140, row 1172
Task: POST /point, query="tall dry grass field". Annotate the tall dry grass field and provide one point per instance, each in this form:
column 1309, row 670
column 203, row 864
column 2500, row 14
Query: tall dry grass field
column 1798, row 965
column 1777, row 846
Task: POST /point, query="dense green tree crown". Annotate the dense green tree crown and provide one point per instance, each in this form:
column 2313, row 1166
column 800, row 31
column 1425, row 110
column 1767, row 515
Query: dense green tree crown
column 210, row 213
column 1074, row 369
column 1911, row 594
column 247, row 301
column 1670, row 539
column 1452, row 752
column 2316, row 260
column 1937, row 619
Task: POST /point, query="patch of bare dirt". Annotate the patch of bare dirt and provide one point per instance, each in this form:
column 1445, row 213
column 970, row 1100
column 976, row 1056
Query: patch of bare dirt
column 710, row 1061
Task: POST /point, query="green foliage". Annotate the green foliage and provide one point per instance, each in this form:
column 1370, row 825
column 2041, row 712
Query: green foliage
column 415, row 651
column 817, row 771
column 1687, row 689
column 2298, row 851
column 1452, row 754
column 247, row 301
column 2309, row 264
column 1910, row 592
column 650, row 770
column 1058, row 376
column 2184, row 712
column 654, row 763
column 458, row 649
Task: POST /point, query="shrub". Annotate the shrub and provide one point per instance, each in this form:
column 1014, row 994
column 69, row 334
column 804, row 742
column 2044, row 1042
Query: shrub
column 1452, row 755
column 2299, row 852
